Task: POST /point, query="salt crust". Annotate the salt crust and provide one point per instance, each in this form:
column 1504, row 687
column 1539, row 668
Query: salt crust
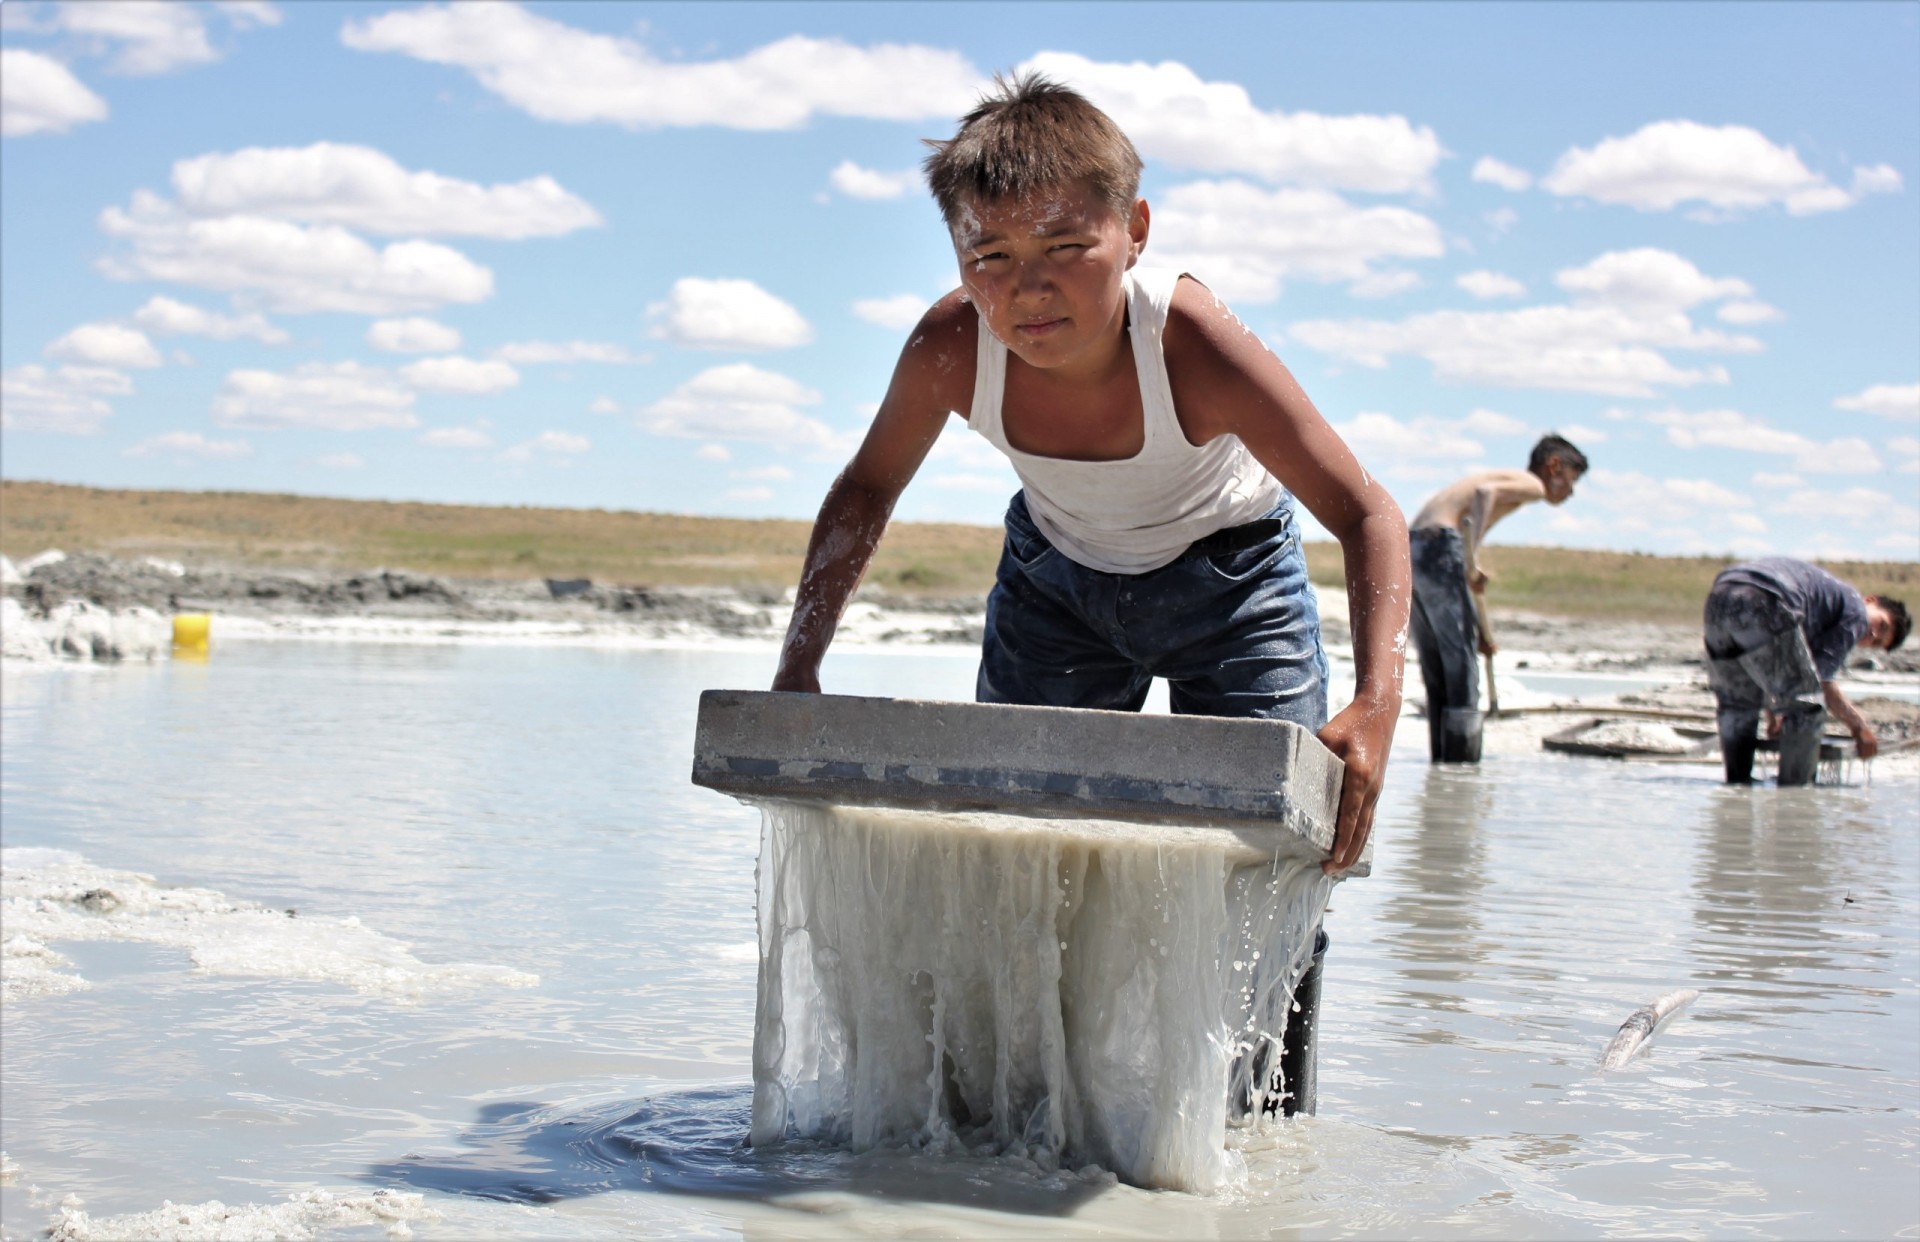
column 1642, row 735
column 303, row 1216
column 83, row 631
column 1041, row 995
column 53, row 895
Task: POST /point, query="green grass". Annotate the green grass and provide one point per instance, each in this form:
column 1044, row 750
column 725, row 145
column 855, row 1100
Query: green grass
column 632, row 548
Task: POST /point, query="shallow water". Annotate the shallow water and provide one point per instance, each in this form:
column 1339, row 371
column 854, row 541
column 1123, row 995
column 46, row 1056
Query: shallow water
column 529, row 808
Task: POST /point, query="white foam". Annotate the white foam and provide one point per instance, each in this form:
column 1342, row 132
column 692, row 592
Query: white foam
column 1025, row 988
column 303, row 1216
column 51, row 896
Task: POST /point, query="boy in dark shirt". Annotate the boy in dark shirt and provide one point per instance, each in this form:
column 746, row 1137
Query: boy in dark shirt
column 1777, row 632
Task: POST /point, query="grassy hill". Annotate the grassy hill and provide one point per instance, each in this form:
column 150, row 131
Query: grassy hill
column 279, row 531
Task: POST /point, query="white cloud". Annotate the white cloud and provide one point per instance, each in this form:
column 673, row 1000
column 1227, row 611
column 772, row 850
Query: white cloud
column 1860, row 507
column 560, row 73
column 749, row 493
column 1631, row 305
column 1633, row 503
column 1501, row 219
column 1385, row 443
column 727, row 314
column 70, row 400
column 105, row 345
column 1647, row 277
column 1175, row 117
column 39, row 95
column 456, row 438
column 167, row 317
column 1506, row 176
column 1901, row 401
column 1906, row 447
column 1731, row 168
column 1768, row 479
column 900, row 312
column 1245, row 241
column 603, row 405
column 713, row 452
column 856, row 182
column 340, row 396
column 155, row 36
column 294, row 267
column 365, row 189
column 1486, row 285
column 184, row 444
column 1730, row 429
column 1580, row 433
column 770, row 473
column 1493, row 423
column 1749, row 311
column 457, row 374
column 533, row 353
column 340, row 461
column 412, row 335
column 742, row 402
column 548, row 444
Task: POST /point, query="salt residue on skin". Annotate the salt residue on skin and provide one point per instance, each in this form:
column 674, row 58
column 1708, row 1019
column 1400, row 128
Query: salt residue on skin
column 51, row 895
column 1029, row 993
column 303, row 1216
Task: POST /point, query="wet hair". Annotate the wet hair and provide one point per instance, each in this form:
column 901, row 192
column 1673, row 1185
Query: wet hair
column 1553, row 447
column 1902, row 623
column 1028, row 135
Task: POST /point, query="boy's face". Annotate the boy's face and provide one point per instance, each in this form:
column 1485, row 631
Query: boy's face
column 1879, row 635
column 1045, row 271
column 1559, row 481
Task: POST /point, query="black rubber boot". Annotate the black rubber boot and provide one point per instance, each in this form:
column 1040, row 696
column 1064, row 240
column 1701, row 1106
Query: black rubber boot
column 1299, row 1048
column 1800, row 745
column 1460, row 730
column 1738, row 743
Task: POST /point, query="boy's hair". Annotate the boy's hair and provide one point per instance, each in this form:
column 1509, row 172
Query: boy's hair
column 1551, row 447
column 1902, row 623
column 1031, row 134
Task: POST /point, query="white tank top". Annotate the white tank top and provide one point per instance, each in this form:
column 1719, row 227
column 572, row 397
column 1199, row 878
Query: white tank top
column 1131, row 516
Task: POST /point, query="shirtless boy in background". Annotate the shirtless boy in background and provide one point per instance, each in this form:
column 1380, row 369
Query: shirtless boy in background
column 1450, row 622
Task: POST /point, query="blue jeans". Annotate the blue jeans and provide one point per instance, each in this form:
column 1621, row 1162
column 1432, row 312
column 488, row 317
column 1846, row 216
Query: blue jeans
column 1231, row 625
column 1446, row 633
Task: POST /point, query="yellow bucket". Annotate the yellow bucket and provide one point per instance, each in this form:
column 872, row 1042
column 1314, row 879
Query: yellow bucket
column 191, row 630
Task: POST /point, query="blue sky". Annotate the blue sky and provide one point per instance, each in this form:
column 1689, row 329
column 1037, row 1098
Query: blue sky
column 662, row 257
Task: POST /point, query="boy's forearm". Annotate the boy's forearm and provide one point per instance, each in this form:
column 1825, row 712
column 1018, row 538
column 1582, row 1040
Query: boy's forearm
column 1379, row 594
column 852, row 519
column 1842, row 708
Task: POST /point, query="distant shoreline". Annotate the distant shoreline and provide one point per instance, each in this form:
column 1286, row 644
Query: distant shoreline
column 289, row 535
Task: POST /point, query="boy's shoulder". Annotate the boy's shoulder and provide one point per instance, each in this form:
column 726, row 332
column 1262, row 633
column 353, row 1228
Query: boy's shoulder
column 940, row 351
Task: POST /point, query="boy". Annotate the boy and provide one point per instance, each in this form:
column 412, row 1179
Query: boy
column 1449, row 609
column 1777, row 632
column 1156, row 440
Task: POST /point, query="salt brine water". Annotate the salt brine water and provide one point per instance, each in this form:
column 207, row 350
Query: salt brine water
column 1086, row 992
column 572, row 1055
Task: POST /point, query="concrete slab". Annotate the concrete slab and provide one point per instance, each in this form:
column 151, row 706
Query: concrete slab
column 1250, row 776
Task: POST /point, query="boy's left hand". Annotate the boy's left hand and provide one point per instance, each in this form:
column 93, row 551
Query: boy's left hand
column 1361, row 735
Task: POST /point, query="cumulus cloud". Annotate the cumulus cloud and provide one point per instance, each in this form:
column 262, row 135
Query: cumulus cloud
column 727, row 314
column 1580, row 433
column 1887, row 524
column 855, row 181
column 165, row 316
column 742, row 402
column 412, row 335
column 340, row 461
column 188, row 444
column 456, row 438
column 538, row 352
column 1901, row 401
column 105, row 345
column 1629, row 306
column 340, row 396
column 294, row 267
column 548, row 444
column 39, row 95
column 1506, row 176
column 1730, row 168
column 773, row 473
column 1749, row 311
column 1487, row 285
column 367, row 190
column 1245, row 241
column 1773, row 479
column 1702, row 515
column 1385, row 284
column 603, row 405
column 558, row 72
column 154, row 36
column 1386, row 443
column 1731, row 429
column 1908, row 449
column 454, row 373
column 1176, row 117
column 71, row 400
column 749, row 493
column 900, row 312
column 713, row 452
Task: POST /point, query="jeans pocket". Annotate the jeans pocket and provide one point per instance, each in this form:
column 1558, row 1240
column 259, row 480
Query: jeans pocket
column 1026, row 547
column 1246, row 564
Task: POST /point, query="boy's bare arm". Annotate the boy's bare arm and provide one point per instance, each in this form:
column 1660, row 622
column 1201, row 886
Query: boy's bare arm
column 1866, row 741
column 1231, row 383
column 933, row 377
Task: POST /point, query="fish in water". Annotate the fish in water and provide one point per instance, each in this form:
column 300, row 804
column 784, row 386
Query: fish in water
column 1641, row 1024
